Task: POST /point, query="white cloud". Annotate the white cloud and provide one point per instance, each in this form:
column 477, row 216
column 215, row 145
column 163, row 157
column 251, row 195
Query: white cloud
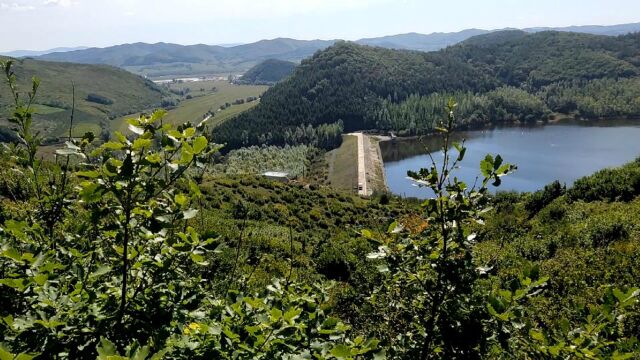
column 63, row 3
column 16, row 7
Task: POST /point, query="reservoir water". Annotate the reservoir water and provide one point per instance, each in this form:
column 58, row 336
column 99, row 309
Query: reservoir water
column 564, row 151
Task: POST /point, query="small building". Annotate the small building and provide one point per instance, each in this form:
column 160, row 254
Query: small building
column 277, row 176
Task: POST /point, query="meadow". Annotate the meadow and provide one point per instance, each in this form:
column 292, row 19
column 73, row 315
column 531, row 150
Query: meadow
column 343, row 174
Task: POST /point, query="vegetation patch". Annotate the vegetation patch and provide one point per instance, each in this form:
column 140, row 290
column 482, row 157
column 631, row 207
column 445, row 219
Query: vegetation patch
column 343, row 165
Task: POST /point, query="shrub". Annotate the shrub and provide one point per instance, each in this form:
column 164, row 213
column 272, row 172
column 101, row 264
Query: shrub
column 619, row 184
column 98, row 99
column 605, row 229
column 541, row 198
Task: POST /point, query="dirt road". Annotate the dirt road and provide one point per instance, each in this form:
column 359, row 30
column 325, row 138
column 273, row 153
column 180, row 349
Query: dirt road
column 363, row 188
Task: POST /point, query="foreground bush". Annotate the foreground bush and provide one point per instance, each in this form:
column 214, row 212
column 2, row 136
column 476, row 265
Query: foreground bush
column 619, row 184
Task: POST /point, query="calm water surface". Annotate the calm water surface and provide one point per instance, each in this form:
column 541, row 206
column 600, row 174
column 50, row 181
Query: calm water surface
column 564, row 152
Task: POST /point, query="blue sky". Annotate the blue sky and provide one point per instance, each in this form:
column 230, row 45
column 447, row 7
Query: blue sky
column 43, row 24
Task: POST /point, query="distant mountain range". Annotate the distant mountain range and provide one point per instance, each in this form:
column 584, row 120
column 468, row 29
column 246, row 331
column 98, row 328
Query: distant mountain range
column 162, row 59
column 610, row 30
column 33, row 53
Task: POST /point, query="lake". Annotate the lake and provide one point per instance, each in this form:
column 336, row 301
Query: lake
column 564, row 151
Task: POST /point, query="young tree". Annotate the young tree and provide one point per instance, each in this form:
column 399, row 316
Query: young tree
column 430, row 304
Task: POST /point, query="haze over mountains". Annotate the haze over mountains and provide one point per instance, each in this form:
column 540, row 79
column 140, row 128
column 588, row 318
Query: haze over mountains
column 31, row 53
column 163, row 59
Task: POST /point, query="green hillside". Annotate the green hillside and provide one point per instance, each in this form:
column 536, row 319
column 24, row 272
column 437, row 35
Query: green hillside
column 268, row 72
column 506, row 76
column 102, row 93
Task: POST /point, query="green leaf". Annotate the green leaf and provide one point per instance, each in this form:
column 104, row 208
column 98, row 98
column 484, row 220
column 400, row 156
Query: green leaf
column 621, row 356
column 112, row 145
column 276, row 314
column 189, row 132
column 181, row 199
column 18, row 284
column 141, row 354
column 189, row 214
column 161, row 354
column 341, row 351
column 392, row 227
column 11, row 253
column 186, row 155
column 106, row 349
column 90, row 191
column 5, row 354
column 174, row 134
column 24, row 357
column 104, row 269
column 40, row 279
column 88, row 174
column 486, row 166
column 141, row 143
column 536, row 335
column 197, row 258
column 195, row 190
column 199, row 144
column 121, row 138
column 503, row 170
column 154, row 158
column 292, row 314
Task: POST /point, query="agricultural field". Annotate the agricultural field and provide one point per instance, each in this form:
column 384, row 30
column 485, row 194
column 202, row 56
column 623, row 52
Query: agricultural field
column 201, row 98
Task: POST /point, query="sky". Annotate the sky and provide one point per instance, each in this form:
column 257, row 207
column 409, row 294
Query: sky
column 45, row 24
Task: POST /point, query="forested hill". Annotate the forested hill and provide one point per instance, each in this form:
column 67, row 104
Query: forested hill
column 268, row 72
column 347, row 82
column 517, row 58
column 497, row 77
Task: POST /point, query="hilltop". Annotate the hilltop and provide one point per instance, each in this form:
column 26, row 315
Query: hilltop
column 268, row 72
column 501, row 76
column 102, row 93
